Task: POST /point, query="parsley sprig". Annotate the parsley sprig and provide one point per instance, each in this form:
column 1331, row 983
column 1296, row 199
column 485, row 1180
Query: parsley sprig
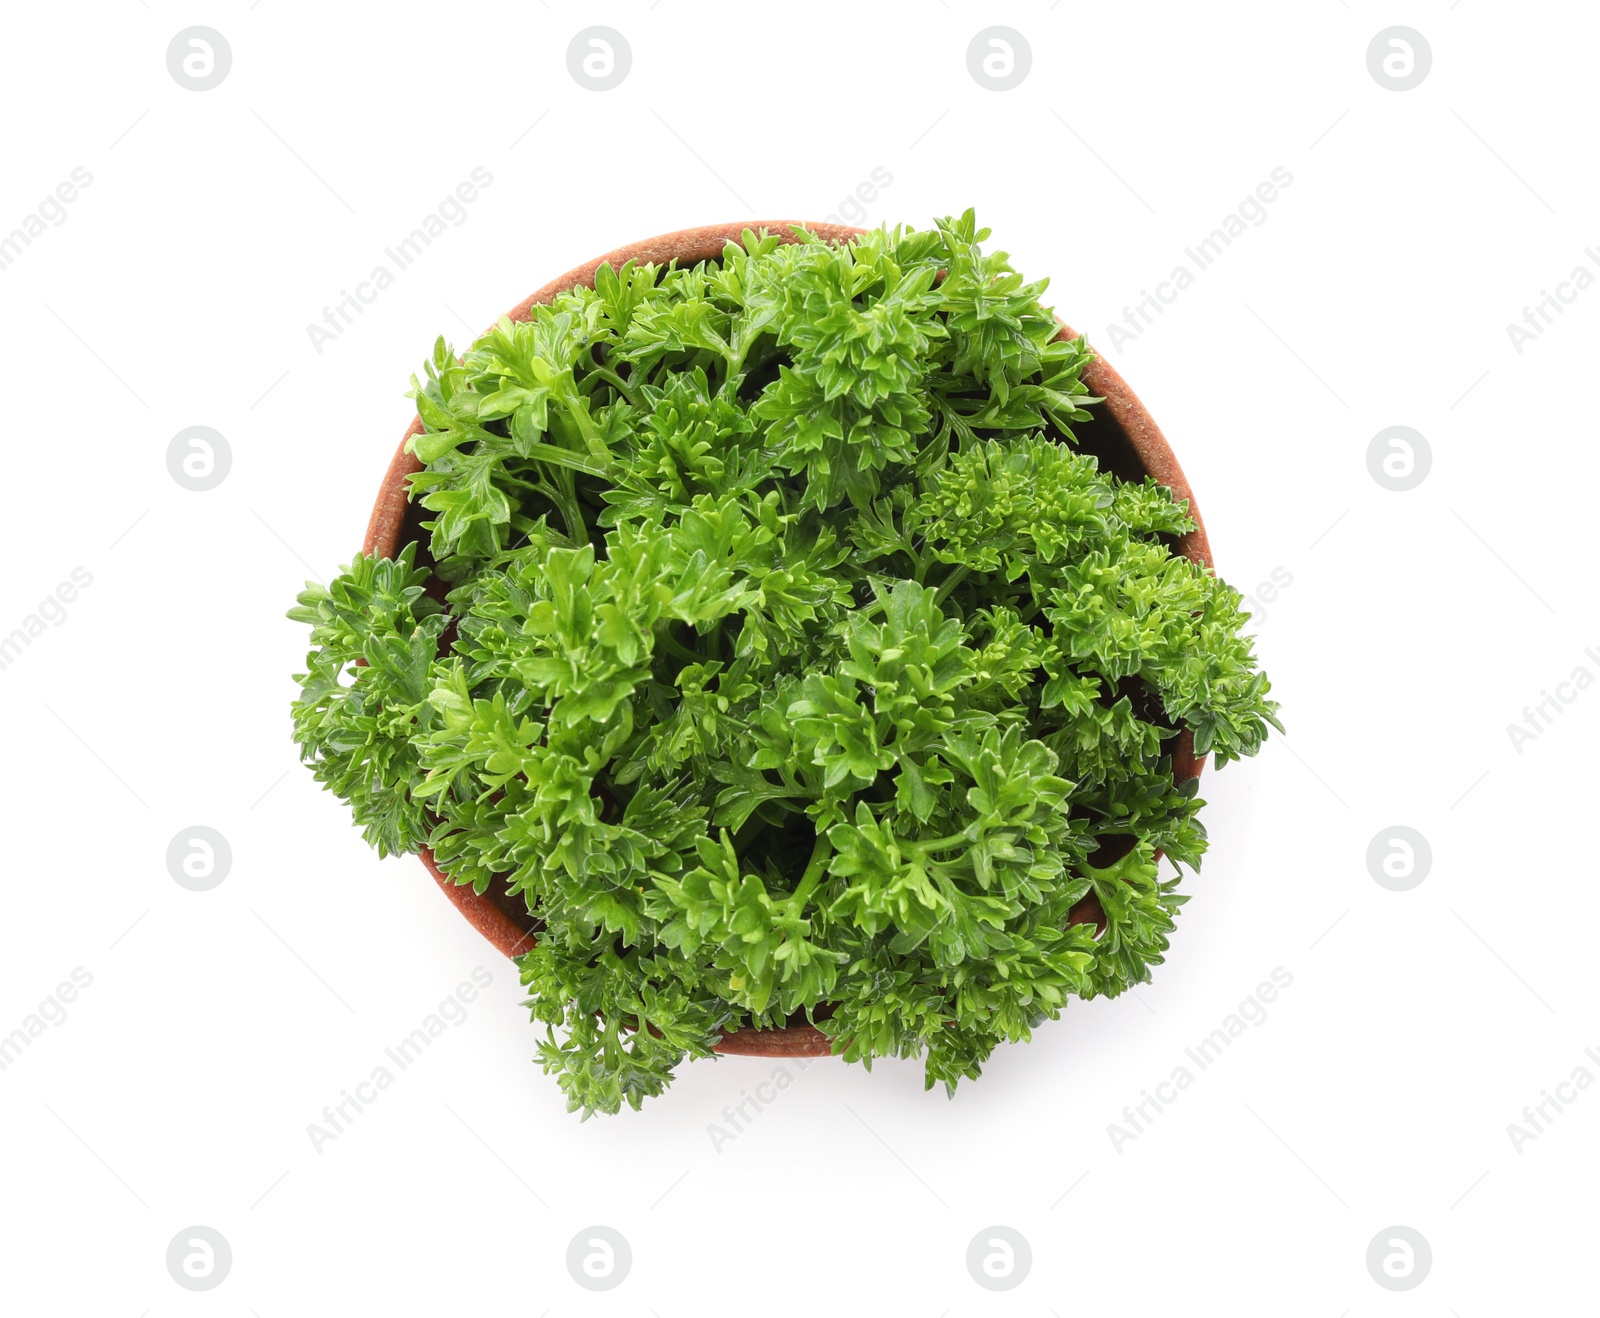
column 800, row 667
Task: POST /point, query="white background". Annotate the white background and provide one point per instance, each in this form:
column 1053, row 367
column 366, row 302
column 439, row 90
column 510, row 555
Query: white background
column 1418, row 625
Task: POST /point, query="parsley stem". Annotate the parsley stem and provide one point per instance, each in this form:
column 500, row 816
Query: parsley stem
column 950, row 583
column 576, row 406
column 936, row 843
column 813, row 876
column 614, row 380
column 672, row 645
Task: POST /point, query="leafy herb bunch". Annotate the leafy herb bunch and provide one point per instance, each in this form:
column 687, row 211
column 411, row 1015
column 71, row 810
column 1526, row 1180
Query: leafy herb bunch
column 793, row 664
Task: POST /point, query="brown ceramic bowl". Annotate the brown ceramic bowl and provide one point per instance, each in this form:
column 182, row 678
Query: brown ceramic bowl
column 1122, row 436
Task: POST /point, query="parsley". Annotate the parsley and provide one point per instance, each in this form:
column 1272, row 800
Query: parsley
column 798, row 664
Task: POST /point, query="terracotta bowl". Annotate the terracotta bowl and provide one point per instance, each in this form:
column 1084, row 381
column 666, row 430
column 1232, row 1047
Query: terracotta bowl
column 1122, row 436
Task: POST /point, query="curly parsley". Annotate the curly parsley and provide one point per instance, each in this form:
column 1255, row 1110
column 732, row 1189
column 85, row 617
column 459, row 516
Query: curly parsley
column 797, row 667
